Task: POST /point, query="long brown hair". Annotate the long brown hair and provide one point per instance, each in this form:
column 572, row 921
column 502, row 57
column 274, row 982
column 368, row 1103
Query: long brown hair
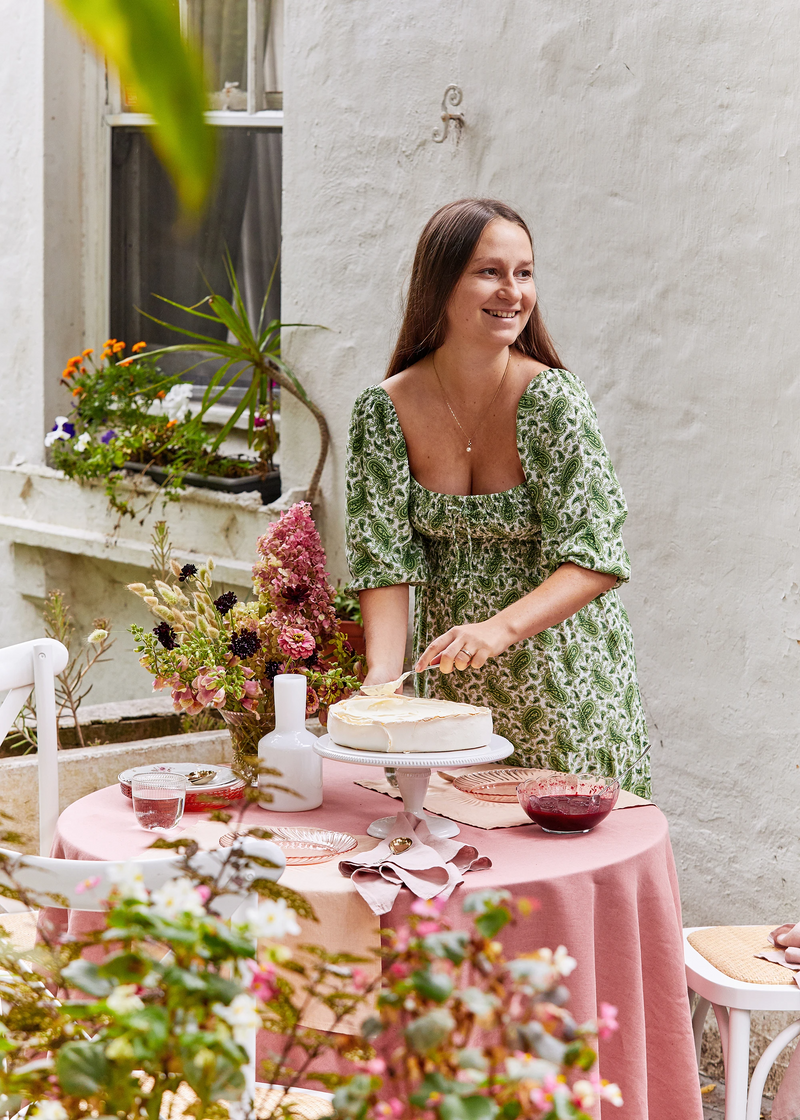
column 443, row 252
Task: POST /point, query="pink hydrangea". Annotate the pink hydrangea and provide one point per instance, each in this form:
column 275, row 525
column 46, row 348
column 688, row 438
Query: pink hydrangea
column 296, row 643
column 291, row 573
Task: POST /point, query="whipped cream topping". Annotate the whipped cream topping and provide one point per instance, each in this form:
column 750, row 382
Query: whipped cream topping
column 400, row 709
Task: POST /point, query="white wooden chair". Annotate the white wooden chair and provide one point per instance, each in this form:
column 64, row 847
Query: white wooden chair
column 42, row 876
column 732, row 1001
column 24, row 667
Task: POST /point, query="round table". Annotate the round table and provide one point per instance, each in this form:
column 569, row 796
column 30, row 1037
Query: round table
column 611, row 896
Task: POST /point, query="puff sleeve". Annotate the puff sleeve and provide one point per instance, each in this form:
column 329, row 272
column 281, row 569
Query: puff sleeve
column 382, row 547
column 571, row 478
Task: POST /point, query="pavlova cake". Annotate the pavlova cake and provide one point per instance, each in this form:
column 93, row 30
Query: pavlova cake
column 408, row 724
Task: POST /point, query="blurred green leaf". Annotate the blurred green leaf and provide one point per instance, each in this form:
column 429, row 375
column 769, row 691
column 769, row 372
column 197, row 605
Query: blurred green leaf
column 81, row 1068
column 432, row 985
column 86, row 976
column 142, row 40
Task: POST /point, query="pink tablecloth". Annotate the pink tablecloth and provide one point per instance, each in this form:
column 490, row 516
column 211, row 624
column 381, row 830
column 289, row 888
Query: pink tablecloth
column 610, row 896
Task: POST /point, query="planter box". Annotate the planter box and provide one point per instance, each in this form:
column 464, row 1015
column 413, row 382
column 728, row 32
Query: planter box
column 268, row 486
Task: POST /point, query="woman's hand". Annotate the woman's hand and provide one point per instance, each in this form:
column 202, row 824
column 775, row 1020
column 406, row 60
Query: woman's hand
column 464, row 647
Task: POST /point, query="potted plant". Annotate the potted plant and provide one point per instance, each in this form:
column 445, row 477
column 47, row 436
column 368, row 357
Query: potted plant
column 351, row 623
column 214, row 651
column 460, row 1032
column 128, row 415
column 255, row 349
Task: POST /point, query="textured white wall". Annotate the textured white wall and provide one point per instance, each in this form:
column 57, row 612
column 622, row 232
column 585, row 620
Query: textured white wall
column 654, row 150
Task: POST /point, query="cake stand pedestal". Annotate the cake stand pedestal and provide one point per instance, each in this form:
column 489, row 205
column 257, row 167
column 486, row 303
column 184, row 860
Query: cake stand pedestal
column 413, row 773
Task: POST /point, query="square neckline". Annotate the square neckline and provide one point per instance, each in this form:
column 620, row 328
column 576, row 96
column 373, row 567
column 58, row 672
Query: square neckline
column 493, row 493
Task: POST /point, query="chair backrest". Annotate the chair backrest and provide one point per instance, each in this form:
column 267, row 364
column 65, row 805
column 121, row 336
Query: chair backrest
column 71, row 878
column 24, row 667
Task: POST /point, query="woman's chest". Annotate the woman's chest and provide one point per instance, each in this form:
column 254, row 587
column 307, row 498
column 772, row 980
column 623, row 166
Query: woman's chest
column 500, row 518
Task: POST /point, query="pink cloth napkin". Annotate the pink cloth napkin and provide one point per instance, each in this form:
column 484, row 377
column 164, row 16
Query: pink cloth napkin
column 786, row 940
column 431, row 866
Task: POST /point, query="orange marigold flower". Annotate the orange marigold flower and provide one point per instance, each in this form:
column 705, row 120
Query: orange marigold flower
column 127, row 362
column 68, row 372
column 172, row 423
column 138, row 346
column 161, row 394
column 119, row 346
column 86, row 353
column 78, row 390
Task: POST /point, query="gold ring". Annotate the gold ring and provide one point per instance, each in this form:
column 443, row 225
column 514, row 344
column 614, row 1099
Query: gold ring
column 400, row 844
column 465, row 652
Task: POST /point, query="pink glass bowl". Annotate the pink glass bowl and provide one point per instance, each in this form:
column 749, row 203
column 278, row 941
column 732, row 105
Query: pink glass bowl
column 566, row 804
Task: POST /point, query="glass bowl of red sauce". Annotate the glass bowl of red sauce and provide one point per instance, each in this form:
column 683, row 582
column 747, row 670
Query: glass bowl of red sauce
column 566, row 804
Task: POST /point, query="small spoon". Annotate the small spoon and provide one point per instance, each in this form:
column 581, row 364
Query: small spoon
column 200, row 777
column 623, row 776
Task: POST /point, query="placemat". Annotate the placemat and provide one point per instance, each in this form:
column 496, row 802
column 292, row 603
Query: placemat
column 446, row 801
column 730, row 949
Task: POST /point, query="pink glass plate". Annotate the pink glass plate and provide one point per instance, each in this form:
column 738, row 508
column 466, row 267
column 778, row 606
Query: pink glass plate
column 305, row 845
column 496, row 785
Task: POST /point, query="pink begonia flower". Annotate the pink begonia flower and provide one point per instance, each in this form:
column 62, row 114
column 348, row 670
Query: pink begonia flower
column 204, row 892
column 296, row 643
column 424, row 928
column 428, row 907
column 262, row 984
column 607, row 1022
column 87, row 884
column 360, row 979
column 375, row 1066
column 399, row 969
column 392, row 1107
column 583, row 1094
column 402, row 938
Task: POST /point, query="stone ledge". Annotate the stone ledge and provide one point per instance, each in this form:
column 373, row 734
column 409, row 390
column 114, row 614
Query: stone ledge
column 42, row 508
column 84, row 770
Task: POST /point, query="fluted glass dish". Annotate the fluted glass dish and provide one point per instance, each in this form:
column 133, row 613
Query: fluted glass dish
column 305, row 845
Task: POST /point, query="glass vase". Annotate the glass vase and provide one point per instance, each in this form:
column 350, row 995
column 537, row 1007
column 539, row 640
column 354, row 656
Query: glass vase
column 245, row 729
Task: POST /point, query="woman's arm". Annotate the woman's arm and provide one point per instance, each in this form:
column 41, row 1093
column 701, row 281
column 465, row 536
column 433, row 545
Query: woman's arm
column 385, row 614
column 561, row 595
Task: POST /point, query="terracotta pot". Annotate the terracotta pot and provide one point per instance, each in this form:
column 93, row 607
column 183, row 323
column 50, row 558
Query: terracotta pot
column 354, row 632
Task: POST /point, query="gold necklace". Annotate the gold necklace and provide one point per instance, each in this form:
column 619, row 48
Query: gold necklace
column 491, row 402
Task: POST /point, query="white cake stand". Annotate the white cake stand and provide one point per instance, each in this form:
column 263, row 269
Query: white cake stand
column 413, row 773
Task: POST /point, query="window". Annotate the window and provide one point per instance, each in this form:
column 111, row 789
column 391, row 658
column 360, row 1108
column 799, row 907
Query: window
column 149, row 257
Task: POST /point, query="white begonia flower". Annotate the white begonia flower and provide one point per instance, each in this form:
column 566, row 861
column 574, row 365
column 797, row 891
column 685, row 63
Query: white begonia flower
column 240, row 1015
column 128, row 881
column 83, row 441
column 526, row 1067
column 563, row 963
column 273, row 919
column 58, row 432
column 177, row 898
column 612, row 1094
column 50, row 1110
column 176, row 402
column 97, row 636
column 123, row 999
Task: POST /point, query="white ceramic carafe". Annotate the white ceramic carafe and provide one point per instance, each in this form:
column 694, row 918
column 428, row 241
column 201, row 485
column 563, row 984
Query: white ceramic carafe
column 290, row 749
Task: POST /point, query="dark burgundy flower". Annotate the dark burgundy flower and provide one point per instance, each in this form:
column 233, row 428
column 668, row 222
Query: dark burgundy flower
column 271, row 670
column 296, row 596
column 244, row 644
column 165, row 635
column 186, row 571
column 225, row 602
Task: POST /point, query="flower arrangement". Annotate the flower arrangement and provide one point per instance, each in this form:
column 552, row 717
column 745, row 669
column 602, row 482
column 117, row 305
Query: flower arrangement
column 460, row 1031
column 215, row 651
column 125, row 410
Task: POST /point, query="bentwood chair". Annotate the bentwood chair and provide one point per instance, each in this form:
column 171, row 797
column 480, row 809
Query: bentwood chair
column 23, row 668
column 732, row 1001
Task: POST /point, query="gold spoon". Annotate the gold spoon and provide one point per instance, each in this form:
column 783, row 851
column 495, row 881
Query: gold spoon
column 200, row 777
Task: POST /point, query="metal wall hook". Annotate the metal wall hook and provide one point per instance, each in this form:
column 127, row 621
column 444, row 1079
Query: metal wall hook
column 452, row 98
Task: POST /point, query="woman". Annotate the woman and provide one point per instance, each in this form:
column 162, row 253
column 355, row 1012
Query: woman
column 476, row 472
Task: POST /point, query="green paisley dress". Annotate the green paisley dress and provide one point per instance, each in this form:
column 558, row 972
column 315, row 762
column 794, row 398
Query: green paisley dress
column 568, row 698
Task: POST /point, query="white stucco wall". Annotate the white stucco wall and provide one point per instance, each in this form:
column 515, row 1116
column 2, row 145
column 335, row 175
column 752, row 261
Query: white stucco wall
column 654, row 150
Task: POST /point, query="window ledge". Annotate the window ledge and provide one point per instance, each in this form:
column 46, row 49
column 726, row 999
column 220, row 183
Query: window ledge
column 266, row 118
column 42, row 508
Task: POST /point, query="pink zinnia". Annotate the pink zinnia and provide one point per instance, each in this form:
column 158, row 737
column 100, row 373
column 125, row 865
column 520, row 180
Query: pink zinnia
column 296, row 643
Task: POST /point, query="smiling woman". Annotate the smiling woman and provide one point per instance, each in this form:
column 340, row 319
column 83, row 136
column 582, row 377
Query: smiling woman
column 477, row 473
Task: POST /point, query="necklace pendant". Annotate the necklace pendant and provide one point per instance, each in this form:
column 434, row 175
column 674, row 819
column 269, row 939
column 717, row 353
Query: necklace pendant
column 469, row 446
